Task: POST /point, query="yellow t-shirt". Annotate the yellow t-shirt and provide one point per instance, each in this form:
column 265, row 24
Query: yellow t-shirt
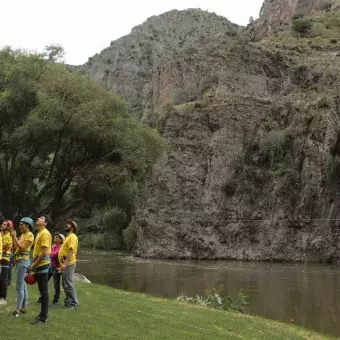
column 25, row 253
column 6, row 243
column 70, row 243
column 43, row 239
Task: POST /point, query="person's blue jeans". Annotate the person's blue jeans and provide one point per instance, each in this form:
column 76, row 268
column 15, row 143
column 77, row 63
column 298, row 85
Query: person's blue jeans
column 21, row 272
column 10, row 270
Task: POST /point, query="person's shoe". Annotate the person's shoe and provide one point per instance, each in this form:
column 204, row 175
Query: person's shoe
column 23, row 311
column 72, row 307
column 55, row 301
column 3, row 302
column 39, row 321
column 15, row 314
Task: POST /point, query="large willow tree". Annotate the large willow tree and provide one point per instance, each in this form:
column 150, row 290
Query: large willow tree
column 64, row 138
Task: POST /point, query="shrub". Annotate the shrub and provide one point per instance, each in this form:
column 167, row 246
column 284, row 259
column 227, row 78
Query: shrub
column 213, row 299
column 115, row 220
column 276, row 147
column 91, row 241
column 302, row 26
column 298, row 16
column 130, row 235
column 106, row 241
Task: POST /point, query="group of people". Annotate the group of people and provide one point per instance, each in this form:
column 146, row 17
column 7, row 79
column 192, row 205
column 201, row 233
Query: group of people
column 38, row 257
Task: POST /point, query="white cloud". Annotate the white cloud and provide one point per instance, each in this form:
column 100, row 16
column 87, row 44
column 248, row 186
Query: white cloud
column 86, row 27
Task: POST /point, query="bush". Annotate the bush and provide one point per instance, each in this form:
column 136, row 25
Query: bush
column 130, row 235
column 276, row 147
column 213, row 299
column 115, row 220
column 104, row 241
column 302, row 26
column 91, row 241
column 298, row 16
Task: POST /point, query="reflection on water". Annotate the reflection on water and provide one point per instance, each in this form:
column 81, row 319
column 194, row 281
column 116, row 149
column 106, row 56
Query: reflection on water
column 306, row 294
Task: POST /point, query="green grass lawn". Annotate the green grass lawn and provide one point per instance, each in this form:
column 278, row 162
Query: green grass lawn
column 106, row 313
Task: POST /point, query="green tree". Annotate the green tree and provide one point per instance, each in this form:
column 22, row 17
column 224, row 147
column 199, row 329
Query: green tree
column 59, row 130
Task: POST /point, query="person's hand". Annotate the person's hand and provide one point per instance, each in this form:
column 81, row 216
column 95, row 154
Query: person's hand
column 63, row 266
column 13, row 233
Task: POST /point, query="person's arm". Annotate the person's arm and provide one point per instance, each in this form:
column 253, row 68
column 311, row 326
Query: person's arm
column 67, row 260
column 17, row 244
column 39, row 258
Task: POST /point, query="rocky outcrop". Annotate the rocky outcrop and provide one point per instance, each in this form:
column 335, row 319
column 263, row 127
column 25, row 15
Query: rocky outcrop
column 275, row 14
column 81, row 278
column 128, row 65
column 217, row 194
column 253, row 131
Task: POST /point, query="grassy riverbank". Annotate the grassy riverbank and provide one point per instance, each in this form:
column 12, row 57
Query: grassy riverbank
column 106, row 313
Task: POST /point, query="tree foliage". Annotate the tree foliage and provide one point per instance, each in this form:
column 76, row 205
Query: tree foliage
column 64, row 138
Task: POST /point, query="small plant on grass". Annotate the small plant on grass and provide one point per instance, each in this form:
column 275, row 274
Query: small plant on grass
column 213, row 299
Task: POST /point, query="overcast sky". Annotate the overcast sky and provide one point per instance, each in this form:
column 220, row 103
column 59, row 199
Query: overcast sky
column 85, row 27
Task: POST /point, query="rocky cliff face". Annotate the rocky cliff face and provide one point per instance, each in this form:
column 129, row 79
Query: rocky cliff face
column 128, row 65
column 274, row 15
column 253, row 129
column 245, row 176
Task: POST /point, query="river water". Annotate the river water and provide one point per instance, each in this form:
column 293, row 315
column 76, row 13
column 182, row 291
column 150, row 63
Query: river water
column 304, row 294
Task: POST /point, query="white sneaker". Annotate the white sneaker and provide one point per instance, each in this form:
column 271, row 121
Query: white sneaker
column 3, row 302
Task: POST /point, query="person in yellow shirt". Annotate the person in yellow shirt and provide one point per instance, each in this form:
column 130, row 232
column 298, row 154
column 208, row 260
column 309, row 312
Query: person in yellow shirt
column 41, row 264
column 67, row 258
column 6, row 259
column 0, row 250
column 22, row 247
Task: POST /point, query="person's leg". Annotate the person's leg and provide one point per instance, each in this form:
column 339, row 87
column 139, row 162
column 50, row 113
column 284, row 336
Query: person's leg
column 50, row 273
column 68, row 285
column 10, row 271
column 56, row 281
column 64, row 284
column 21, row 285
column 4, row 280
column 43, row 289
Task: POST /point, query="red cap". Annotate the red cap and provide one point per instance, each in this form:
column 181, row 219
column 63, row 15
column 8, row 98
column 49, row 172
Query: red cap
column 10, row 224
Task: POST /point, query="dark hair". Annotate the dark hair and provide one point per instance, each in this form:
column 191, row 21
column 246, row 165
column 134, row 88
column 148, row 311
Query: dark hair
column 47, row 220
column 30, row 228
